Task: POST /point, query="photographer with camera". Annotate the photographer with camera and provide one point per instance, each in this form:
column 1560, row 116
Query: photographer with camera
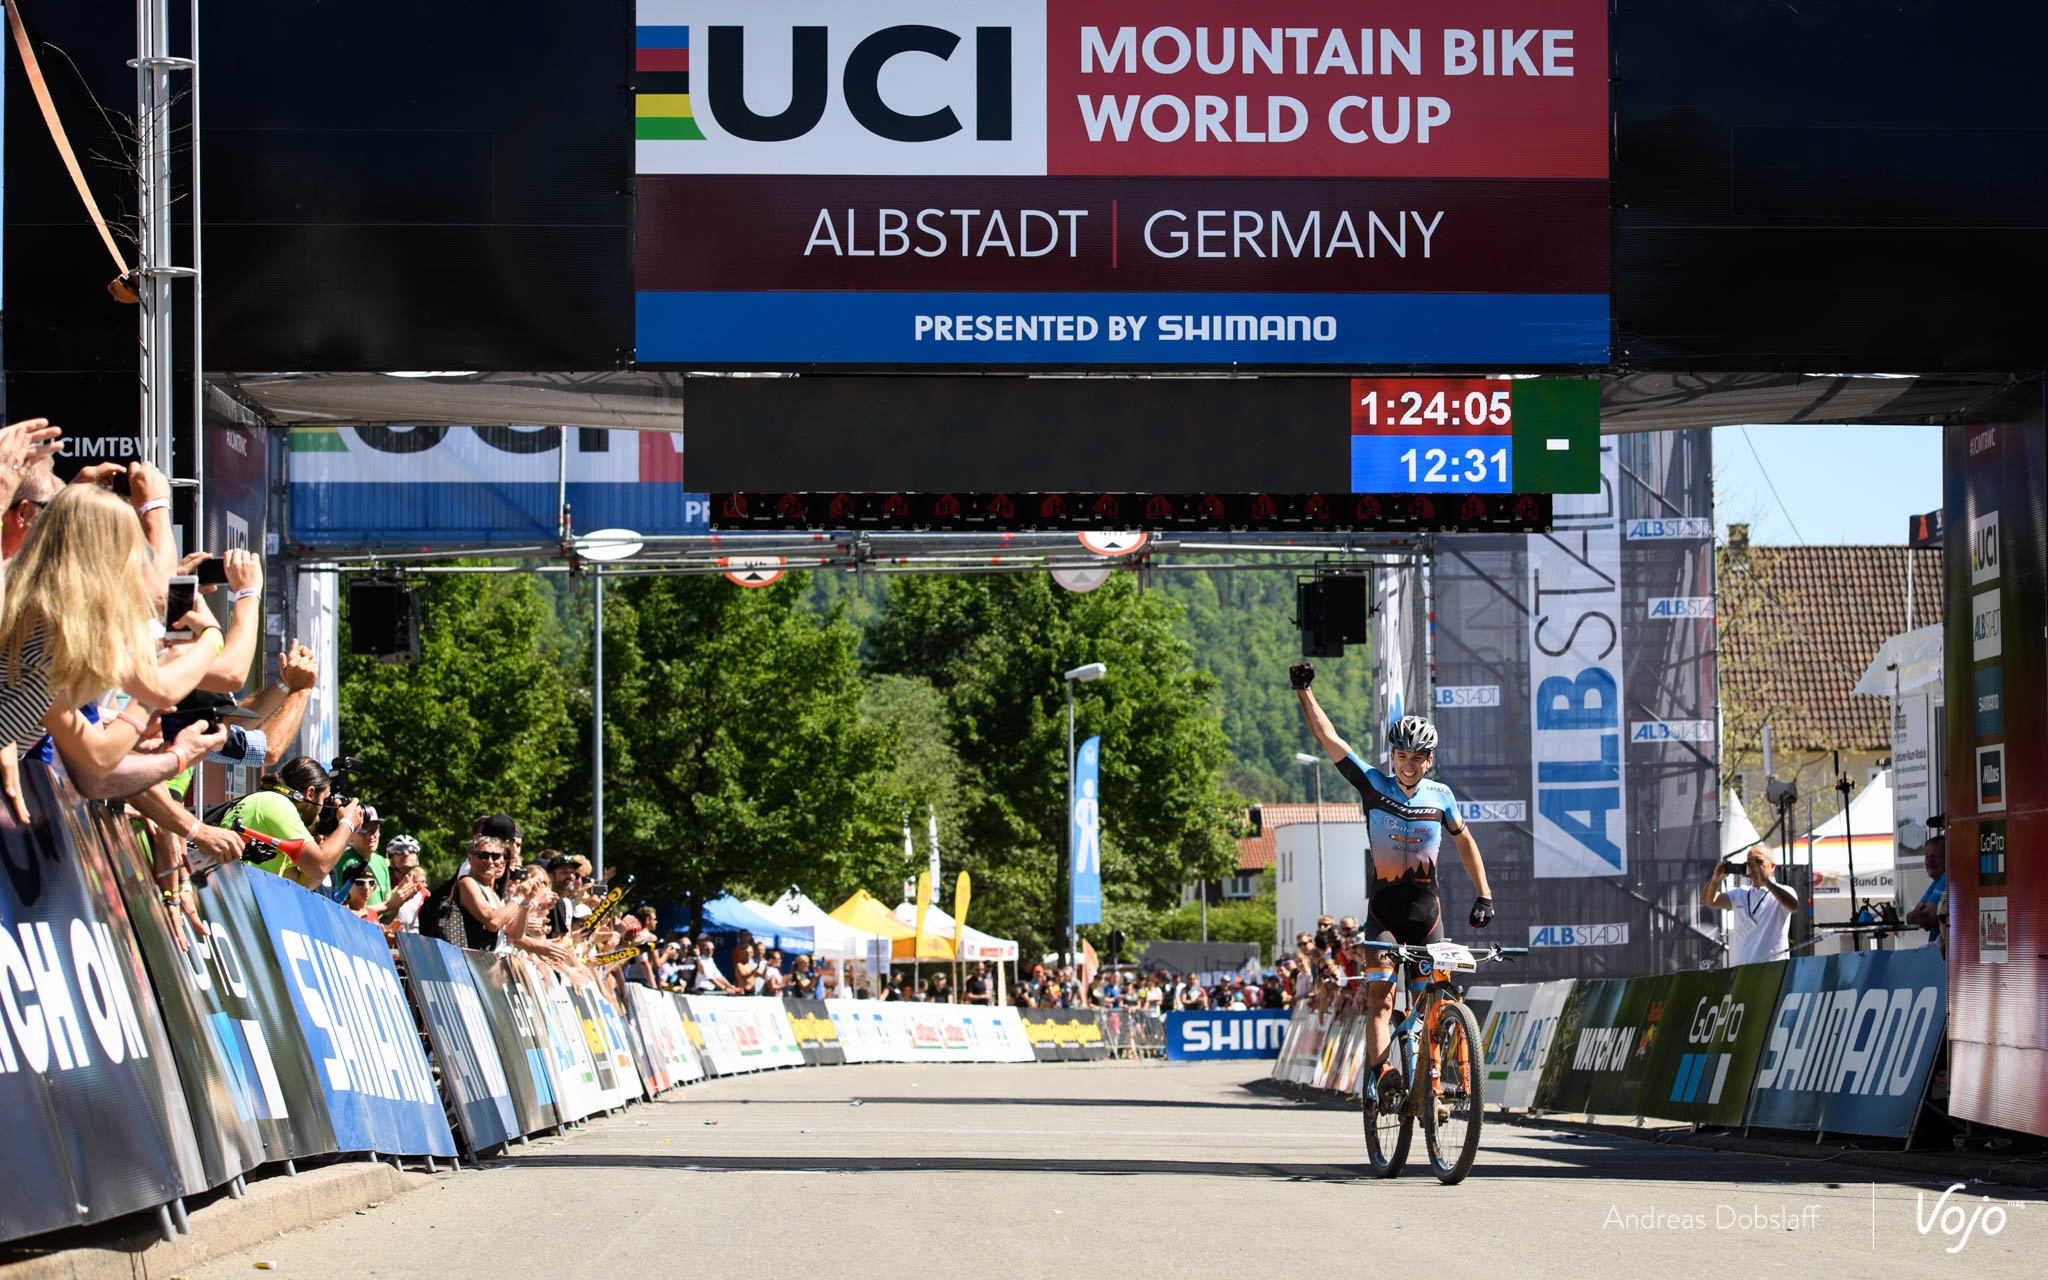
column 287, row 804
column 1763, row 908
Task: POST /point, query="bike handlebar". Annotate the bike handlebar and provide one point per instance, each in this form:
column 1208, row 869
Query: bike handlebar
column 1493, row 952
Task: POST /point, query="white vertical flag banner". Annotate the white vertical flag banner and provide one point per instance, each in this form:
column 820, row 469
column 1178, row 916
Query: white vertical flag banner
column 932, row 833
column 1580, row 814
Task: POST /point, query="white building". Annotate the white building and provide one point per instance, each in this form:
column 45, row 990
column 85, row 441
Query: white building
column 1292, row 830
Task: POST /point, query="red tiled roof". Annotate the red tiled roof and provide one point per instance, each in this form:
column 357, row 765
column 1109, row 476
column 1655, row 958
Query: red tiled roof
column 1799, row 631
column 1255, row 853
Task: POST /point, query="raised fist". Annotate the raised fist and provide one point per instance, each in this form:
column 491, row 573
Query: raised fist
column 1301, row 674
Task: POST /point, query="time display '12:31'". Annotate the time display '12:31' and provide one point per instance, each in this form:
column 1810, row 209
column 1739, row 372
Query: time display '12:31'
column 1418, row 435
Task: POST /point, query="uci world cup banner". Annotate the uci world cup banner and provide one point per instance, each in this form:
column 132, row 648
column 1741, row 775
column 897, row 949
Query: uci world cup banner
column 1085, row 834
column 1579, row 817
column 1079, row 182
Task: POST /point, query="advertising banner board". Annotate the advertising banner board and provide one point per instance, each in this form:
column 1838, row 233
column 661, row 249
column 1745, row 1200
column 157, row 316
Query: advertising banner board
column 1246, row 1033
column 472, row 1072
column 1706, row 1042
column 744, row 1033
column 1139, row 182
column 816, row 1038
column 354, row 1022
column 1500, row 1031
column 1599, row 1059
column 515, row 1024
column 91, row 1107
column 1851, row 1041
column 1063, row 1035
column 431, row 485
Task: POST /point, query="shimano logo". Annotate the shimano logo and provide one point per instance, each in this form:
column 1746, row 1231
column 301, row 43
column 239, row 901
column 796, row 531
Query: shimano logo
column 1233, row 1035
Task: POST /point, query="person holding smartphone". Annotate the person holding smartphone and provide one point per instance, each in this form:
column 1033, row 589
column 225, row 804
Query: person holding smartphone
column 1762, row 908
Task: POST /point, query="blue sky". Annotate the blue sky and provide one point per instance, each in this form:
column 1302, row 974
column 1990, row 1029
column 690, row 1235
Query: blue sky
column 1834, row 484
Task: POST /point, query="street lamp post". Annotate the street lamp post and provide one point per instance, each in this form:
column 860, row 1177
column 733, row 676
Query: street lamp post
column 1322, row 881
column 1093, row 671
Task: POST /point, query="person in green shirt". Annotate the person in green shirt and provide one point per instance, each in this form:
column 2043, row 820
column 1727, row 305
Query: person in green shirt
column 282, row 808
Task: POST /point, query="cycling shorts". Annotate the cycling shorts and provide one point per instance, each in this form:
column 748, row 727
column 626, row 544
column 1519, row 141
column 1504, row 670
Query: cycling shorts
column 1402, row 912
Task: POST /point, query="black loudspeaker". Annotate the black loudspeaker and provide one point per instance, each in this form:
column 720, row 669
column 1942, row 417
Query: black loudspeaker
column 384, row 619
column 1331, row 612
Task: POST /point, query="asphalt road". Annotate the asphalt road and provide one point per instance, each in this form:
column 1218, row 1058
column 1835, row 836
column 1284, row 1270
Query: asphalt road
column 1041, row 1170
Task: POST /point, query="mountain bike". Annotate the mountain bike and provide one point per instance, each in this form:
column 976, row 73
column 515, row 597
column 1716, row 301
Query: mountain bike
column 1437, row 1041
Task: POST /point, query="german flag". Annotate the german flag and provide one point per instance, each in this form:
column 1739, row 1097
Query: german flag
column 661, row 83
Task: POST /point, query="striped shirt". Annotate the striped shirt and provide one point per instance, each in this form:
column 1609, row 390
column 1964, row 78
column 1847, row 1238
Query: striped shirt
column 25, row 696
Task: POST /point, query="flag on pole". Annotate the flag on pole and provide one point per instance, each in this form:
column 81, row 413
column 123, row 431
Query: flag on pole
column 932, row 828
column 1084, row 838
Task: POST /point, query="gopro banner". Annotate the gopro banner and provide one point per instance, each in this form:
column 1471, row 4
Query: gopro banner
column 474, row 486
column 1241, row 1033
column 1575, row 679
column 1085, row 834
column 1051, row 181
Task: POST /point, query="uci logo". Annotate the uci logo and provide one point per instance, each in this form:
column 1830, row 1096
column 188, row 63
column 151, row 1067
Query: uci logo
column 1984, row 548
column 910, row 58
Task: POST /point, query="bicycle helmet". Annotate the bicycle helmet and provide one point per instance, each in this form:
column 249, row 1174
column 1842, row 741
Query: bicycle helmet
column 1412, row 733
column 402, row 844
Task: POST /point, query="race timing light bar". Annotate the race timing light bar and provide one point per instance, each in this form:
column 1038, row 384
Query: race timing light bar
column 1157, row 512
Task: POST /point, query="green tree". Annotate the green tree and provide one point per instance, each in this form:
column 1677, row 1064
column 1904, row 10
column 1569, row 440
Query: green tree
column 738, row 754
column 476, row 726
column 925, row 780
column 995, row 648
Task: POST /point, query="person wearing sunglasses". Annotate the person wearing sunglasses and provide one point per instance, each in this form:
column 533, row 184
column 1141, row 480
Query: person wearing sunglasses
column 471, row 913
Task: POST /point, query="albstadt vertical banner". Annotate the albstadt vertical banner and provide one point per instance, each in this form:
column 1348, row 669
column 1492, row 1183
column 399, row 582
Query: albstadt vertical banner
column 1085, row 837
column 1995, row 563
column 1575, row 681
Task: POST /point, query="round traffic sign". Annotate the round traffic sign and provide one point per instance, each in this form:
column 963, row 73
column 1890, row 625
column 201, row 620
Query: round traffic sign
column 1115, row 544
column 753, row 571
column 1081, row 578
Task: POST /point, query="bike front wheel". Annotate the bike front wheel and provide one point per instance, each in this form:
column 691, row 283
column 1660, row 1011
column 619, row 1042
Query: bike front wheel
column 1389, row 1126
column 1452, row 1116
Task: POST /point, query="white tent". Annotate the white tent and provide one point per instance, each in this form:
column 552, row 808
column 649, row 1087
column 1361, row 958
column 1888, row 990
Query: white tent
column 974, row 944
column 1916, row 655
column 1869, row 821
column 836, row 939
column 1738, row 833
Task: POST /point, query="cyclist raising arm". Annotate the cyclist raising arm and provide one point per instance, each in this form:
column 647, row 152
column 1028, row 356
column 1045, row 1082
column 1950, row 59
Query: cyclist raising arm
column 1406, row 816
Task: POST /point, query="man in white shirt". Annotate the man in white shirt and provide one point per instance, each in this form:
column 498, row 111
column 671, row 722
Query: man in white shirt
column 1762, row 909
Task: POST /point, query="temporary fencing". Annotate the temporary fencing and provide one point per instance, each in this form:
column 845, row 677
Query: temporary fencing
column 1841, row 1044
column 143, row 1060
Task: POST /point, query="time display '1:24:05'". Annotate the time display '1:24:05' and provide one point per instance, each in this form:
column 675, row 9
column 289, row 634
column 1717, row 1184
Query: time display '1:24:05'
column 1418, row 435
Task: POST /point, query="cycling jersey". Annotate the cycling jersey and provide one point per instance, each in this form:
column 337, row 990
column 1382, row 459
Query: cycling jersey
column 1403, row 833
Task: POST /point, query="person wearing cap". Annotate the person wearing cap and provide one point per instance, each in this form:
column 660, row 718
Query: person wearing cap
column 363, row 852
column 355, row 892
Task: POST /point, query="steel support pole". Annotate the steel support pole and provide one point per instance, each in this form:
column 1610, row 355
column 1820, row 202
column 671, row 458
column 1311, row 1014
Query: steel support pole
column 1322, row 880
column 597, row 725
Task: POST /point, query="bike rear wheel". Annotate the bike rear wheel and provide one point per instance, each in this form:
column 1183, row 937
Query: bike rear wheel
column 1389, row 1125
column 1451, row 1120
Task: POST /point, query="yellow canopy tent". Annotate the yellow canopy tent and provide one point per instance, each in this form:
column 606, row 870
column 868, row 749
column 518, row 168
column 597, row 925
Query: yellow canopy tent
column 864, row 911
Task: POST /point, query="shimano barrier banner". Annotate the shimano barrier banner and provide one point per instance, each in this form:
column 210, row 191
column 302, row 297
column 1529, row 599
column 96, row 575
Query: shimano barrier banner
column 453, row 1010
column 1140, row 182
column 354, row 1021
column 1851, row 1042
column 1706, row 1040
column 373, row 487
column 91, row 1106
column 1085, row 835
column 816, row 1038
column 1195, row 1036
column 1575, row 683
column 513, row 1021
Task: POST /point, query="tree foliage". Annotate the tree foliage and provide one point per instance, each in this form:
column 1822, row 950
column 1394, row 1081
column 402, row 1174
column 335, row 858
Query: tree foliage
column 995, row 648
column 477, row 726
column 744, row 759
